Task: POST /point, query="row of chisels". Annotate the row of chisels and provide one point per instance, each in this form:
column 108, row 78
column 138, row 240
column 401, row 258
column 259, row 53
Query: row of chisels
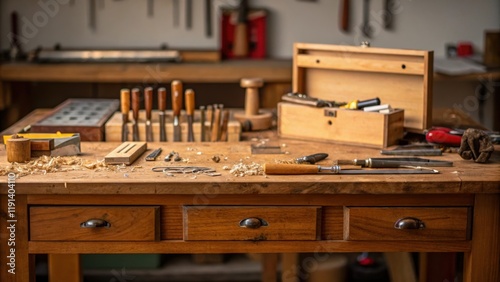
column 132, row 99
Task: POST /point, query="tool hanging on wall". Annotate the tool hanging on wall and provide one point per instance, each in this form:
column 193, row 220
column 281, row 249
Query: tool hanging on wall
column 176, row 11
column 366, row 26
column 189, row 14
column 388, row 15
column 151, row 8
column 92, row 15
column 208, row 18
column 344, row 17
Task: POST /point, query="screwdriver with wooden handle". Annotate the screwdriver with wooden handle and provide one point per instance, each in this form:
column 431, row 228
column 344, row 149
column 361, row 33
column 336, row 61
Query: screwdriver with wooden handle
column 299, row 169
column 176, row 108
column 162, row 106
column 148, row 104
column 189, row 97
column 125, row 108
column 136, row 104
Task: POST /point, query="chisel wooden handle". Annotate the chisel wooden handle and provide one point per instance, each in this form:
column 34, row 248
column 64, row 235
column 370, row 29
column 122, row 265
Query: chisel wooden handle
column 136, row 103
column 162, row 98
column 176, row 97
column 148, row 101
column 214, row 136
column 290, row 169
column 189, row 96
column 125, row 101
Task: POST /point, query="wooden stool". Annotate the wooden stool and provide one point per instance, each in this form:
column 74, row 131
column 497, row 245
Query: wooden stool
column 252, row 119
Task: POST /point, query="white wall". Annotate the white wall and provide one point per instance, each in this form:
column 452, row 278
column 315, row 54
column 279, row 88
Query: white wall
column 424, row 24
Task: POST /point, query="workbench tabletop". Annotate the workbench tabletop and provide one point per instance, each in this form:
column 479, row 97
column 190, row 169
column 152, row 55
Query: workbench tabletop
column 463, row 177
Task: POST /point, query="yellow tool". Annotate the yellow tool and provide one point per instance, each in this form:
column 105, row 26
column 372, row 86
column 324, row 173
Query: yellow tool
column 356, row 104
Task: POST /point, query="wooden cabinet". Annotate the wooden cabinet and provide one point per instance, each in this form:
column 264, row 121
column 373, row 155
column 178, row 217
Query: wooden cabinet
column 100, row 223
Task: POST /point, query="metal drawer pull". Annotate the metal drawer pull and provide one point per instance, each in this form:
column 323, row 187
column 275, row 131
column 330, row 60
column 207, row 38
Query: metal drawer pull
column 253, row 223
column 95, row 223
column 409, row 223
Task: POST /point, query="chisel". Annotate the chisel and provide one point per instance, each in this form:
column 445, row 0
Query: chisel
column 224, row 126
column 214, row 135
column 136, row 104
column 148, row 104
column 125, row 108
column 189, row 100
column 176, row 108
column 298, row 169
column 202, row 123
column 162, row 106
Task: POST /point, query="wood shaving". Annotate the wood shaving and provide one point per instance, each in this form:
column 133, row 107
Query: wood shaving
column 47, row 164
column 241, row 169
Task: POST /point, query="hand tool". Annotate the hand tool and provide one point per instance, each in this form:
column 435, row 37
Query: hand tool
column 394, row 162
column 304, row 99
column 126, row 153
column 344, row 20
column 189, row 14
column 202, row 123
column 312, row 159
column 162, row 106
column 15, row 51
column 136, row 104
column 153, row 155
column 221, row 113
column 171, row 170
column 208, row 18
column 216, row 124
column 210, row 115
column 92, row 15
column 358, row 105
column 174, row 155
column 125, row 108
column 297, row 169
column 240, row 44
column 266, row 149
column 148, row 104
column 151, row 8
column 176, row 11
column 388, row 15
column 189, row 97
column 414, row 150
column 366, row 27
column 176, row 108
column 224, row 126
column 443, row 136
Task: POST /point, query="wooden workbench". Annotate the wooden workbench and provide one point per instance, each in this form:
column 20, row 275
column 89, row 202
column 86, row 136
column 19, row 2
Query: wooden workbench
column 150, row 212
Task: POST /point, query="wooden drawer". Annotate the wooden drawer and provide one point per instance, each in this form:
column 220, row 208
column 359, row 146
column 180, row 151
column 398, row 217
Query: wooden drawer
column 94, row 223
column 406, row 223
column 251, row 223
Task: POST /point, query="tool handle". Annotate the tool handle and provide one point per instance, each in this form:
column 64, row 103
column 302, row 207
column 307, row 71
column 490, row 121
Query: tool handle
column 381, row 163
column 368, row 103
column 148, row 101
column 162, row 98
column 344, row 23
column 189, row 96
column 214, row 136
column 176, row 97
column 442, row 137
column 136, row 102
column 290, row 169
column 125, row 101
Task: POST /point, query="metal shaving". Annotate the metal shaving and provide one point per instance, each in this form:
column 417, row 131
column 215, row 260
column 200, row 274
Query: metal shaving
column 47, row 164
column 241, row 169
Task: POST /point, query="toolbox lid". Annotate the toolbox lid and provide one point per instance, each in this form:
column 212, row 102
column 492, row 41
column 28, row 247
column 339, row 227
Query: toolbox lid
column 399, row 77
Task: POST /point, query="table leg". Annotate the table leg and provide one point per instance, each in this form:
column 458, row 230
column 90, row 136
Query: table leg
column 64, row 267
column 17, row 264
column 269, row 267
column 482, row 263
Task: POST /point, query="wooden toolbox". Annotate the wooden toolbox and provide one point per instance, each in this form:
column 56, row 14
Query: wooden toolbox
column 114, row 127
column 401, row 78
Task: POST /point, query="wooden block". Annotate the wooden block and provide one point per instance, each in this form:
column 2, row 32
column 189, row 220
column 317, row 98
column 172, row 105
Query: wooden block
column 126, row 153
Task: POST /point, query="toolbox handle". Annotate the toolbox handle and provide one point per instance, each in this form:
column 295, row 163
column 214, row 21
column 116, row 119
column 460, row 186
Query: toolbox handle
column 95, row 223
column 253, row 223
column 409, row 223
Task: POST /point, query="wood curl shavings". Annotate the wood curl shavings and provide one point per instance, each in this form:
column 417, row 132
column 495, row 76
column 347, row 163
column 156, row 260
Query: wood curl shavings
column 241, row 169
column 47, row 164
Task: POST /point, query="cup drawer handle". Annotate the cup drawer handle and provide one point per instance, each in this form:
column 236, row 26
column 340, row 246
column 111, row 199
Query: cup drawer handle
column 253, row 223
column 95, row 223
column 409, row 223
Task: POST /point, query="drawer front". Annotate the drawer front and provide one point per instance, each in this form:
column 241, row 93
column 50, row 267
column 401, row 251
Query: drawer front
column 251, row 223
column 94, row 223
column 406, row 223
